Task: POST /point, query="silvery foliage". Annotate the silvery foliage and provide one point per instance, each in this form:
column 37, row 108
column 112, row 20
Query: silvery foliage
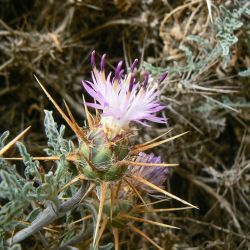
column 20, row 192
column 224, row 28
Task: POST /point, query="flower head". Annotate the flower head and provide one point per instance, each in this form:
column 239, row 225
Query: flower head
column 121, row 97
column 155, row 175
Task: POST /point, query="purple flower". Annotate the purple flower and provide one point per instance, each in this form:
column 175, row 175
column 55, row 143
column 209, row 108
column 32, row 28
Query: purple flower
column 121, row 97
column 155, row 175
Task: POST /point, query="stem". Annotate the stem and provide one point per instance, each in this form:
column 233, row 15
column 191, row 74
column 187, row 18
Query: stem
column 46, row 217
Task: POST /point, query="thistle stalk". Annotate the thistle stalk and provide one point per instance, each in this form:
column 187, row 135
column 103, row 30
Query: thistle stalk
column 118, row 173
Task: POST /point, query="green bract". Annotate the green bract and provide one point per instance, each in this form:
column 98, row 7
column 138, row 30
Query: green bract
column 103, row 155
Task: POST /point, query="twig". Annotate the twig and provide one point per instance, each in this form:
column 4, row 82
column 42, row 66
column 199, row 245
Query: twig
column 223, row 202
column 46, row 217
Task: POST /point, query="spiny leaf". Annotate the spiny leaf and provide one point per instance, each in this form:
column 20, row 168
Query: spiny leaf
column 137, row 230
column 12, row 142
column 102, row 200
column 136, row 149
column 129, row 217
column 140, row 179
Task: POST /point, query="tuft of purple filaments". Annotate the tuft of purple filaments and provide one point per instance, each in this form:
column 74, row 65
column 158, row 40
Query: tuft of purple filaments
column 155, row 175
column 121, row 97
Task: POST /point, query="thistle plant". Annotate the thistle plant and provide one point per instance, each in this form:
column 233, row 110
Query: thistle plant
column 98, row 187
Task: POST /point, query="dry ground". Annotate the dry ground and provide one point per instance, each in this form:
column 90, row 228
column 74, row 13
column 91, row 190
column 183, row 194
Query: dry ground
column 204, row 94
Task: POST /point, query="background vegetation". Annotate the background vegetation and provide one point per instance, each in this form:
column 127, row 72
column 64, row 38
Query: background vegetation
column 207, row 93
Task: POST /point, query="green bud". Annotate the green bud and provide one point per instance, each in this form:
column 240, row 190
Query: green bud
column 103, row 156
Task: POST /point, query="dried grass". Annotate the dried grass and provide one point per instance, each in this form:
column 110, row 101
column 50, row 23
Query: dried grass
column 53, row 39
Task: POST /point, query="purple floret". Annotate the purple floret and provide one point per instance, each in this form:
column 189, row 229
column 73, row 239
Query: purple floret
column 121, row 97
column 155, row 175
